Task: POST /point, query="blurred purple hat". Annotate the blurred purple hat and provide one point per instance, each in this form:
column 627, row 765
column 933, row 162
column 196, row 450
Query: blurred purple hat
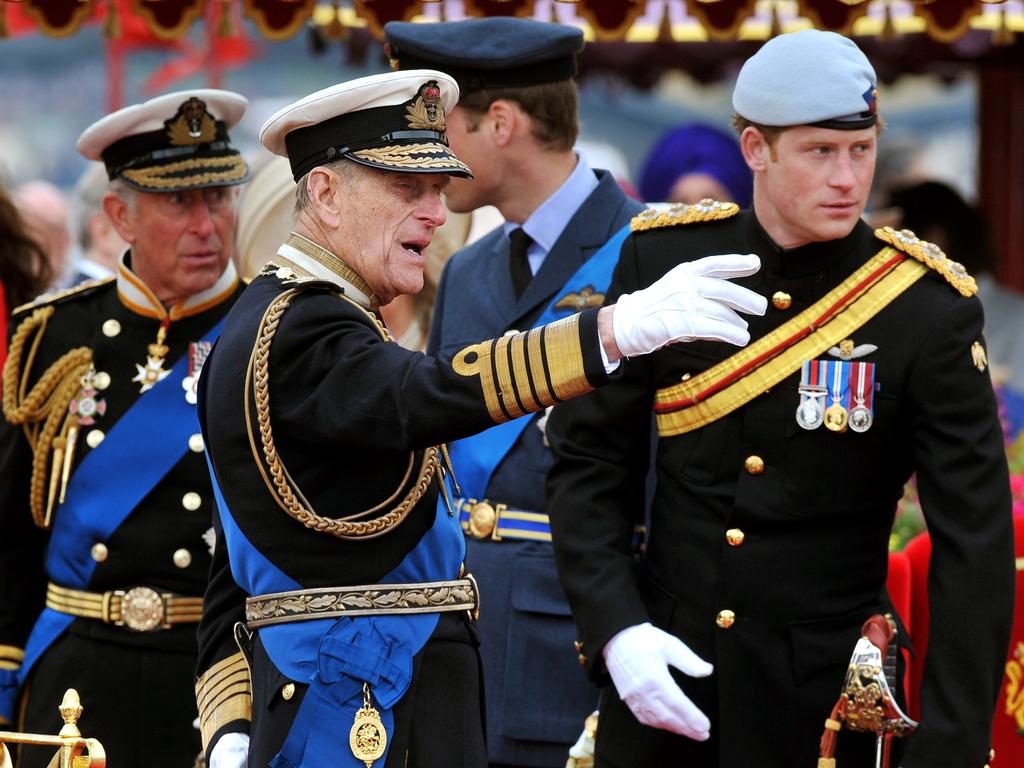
column 696, row 148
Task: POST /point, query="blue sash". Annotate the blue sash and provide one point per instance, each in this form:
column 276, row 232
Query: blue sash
column 95, row 506
column 335, row 656
column 475, row 458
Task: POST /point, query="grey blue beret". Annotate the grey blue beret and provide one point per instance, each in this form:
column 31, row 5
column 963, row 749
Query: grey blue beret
column 808, row 78
column 502, row 51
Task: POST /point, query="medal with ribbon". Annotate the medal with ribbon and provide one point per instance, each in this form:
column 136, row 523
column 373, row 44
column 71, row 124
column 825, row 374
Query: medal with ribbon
column 811, row 412
column 836, row 415
column 862, row 383
column 197, row 354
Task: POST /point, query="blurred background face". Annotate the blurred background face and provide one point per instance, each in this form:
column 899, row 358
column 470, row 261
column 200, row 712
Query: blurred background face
column 694, row 187
column 181, row 241
column 814, row 184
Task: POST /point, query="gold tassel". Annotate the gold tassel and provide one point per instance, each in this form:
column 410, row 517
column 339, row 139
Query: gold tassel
column 889, row 32
column 226, row 23
column 55, row 470
column 69, row 458
column 776, row 27
column 665, row 27
column 335, row 30
column 1003, row 34
column 112, row 27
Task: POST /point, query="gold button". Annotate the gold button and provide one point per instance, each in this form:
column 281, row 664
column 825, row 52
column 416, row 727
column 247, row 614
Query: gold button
column 101, row 380
column 735, row 537
column 725, row 619
column 195, row 443
column 578, row 646
column 111, row 327
column 782, row 300
column 95, row 437
column 182, row 558
column 191, row 501
column 287, row 691
column 99, row 552
column 582, row 660
column 754, row 465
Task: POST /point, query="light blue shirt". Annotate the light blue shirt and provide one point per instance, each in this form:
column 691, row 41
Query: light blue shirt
column 545, row 225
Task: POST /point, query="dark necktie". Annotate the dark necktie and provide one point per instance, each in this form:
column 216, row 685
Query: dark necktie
column 519, row 264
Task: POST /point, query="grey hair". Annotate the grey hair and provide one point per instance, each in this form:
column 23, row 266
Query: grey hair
column 128, row 194
column 348, row 170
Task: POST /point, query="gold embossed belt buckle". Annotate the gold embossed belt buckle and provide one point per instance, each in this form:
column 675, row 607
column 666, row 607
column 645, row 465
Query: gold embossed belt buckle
column 483, row 520
column 142, row 609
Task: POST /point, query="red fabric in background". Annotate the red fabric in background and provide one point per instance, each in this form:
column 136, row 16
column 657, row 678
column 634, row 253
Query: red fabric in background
column 1008, row 725
column 899, row 585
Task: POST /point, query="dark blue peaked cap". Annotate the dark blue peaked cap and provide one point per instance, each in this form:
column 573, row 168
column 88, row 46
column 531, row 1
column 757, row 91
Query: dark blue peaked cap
column 496, row 52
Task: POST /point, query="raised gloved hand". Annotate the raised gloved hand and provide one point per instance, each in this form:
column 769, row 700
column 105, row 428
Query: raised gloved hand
column 638, row 659
column 230, row 751
column 692, row 301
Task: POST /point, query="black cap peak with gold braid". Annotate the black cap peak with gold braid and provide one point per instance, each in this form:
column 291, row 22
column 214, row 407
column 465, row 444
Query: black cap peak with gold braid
column 171, row 143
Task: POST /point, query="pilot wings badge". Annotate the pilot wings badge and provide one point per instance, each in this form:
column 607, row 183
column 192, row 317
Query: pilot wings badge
column 577, row 302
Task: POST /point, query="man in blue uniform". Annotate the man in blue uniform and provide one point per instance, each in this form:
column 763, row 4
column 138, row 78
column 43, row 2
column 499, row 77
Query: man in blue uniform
column 779, row 468
column 516, row 124
column 343, row 550
column 102, row 473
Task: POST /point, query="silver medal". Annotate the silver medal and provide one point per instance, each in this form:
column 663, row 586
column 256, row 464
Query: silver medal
column 810, row 414
column 860, row 419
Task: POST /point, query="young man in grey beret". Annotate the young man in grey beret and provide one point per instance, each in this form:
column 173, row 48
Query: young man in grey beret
column 779, row 468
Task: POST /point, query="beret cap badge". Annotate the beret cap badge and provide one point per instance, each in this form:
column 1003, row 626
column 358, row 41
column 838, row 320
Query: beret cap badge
column 192, row 124
column 426, row 111
column 871, row 98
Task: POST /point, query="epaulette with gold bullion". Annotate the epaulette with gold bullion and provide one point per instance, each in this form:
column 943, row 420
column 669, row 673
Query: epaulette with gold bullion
column 682, row 213
column 55, row 297
column 931, row 256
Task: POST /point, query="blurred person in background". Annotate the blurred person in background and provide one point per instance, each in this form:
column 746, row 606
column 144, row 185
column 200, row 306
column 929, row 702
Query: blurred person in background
column 100, row 247
column 693, row 162
column 938, row 213
column 25, row 271
column 47, row 213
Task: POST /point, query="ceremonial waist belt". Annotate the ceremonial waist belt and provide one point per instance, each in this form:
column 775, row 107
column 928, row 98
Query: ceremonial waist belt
column 141, row 609
column 373, row 600
column 486, row 519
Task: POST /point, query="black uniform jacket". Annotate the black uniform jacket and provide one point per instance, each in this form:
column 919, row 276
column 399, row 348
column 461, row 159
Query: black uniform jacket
column 350, row 414
column 805, row 563
column 164, row 543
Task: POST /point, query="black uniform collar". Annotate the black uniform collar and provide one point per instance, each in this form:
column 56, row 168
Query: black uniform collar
column 810, row 259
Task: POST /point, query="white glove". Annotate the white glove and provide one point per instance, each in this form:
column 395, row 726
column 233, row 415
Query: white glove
column 638, row 659
column 694, row 300
column 230, row 751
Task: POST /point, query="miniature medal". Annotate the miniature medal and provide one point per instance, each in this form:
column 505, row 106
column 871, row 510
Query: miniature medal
column 197, row 354
column 150, row 374
column 86, row 405
column 367, row 739
column 836, row 416
column 863, row 377
column 811, row 412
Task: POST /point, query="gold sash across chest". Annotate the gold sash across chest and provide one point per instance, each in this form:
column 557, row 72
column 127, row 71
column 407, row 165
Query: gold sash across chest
column 734, row 382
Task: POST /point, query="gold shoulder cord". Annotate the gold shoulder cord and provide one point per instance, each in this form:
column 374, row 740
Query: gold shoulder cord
column 43, row 411
column 280, row 483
